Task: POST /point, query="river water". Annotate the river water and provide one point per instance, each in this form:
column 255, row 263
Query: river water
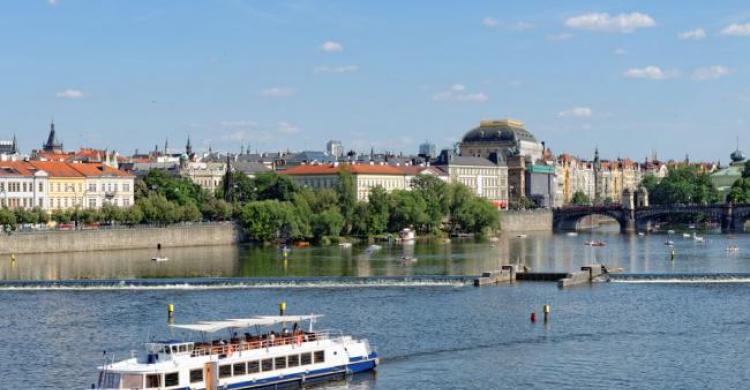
column 665, row 324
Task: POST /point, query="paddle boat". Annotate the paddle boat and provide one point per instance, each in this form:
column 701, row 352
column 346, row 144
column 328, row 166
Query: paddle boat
column 266, row 358
column 160, row 258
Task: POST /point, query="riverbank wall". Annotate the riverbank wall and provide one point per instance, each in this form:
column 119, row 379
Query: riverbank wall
column 526, row 220
column 122, row 238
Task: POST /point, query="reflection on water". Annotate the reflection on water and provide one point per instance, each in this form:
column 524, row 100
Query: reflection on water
column 541, row 252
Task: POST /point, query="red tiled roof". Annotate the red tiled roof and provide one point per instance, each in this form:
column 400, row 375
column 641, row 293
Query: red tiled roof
column 55, row 168
column 16, row 168
column 97, row 169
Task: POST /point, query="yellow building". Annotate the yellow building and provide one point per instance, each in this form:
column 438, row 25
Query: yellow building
column 66, row 187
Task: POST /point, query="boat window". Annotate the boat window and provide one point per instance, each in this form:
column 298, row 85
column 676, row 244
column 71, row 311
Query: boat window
column 183, row 348
column 239, row 369
column 267, row 365
column 306, row 358
column 166, row 350
column 225, row 371
column 279, row 362
column 172, row 379
column 253, row 367
column 293, row 360
column 153, row 381
column 320, row 356
column 174, row 349
column 132, row 381
column 196, row 375
column 109, row 380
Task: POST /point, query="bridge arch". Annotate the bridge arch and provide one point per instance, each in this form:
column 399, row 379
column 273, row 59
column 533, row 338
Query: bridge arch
column 567, row 219
column 741, row 217
column 644, row 217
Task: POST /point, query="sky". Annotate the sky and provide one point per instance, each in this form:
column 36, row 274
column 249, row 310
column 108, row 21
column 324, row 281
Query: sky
column 632, row 78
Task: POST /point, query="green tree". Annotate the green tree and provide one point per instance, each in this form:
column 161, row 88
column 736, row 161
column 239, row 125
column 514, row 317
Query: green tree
column 61, row 216
column 740, row 191
column 7, row 219
column 378, row 211
column 684, row 185
column 216, row 210
column 176, row 189
column 110, row 213
column 580, row 198
column 269, row 220
column 347, row 195
column 408, row 209
column 41, row 215
column 649, row 182
column 746, row 171
column 189, row 212
column 24, row 216
column 434, row 191
column 133, row 215
column 244, row 189
column 158, row 209
column 475, row 215
column 270, row 185
column 326, row 223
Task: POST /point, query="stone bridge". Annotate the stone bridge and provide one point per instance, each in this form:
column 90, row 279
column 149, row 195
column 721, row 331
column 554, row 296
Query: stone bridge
column 637, row 219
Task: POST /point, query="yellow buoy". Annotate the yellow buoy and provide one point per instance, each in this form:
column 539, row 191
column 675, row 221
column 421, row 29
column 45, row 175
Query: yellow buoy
column 12, row 257
column 170, row 312
column 282, row 308
column 545, row 310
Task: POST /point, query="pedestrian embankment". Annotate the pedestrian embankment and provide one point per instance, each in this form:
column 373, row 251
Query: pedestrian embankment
column 526, row 220
column 53, row 241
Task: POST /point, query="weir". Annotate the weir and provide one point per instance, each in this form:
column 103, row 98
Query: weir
column 512, row 273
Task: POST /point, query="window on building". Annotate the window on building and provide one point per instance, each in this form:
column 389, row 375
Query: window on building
column 92, row 203
column 225, row 371
column 196, row 375
column 172, row 379
column 239, row 369
column 126, row 187
column 267, row 365
column 253, row 367
column 126, row 202
column 153, row 381
column 92, row 187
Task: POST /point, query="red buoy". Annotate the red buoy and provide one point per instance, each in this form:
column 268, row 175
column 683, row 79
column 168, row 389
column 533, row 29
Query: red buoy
column 533, row 316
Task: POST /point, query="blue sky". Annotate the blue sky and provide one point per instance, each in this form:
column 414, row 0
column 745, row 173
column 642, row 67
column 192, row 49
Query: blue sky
column 632, row 77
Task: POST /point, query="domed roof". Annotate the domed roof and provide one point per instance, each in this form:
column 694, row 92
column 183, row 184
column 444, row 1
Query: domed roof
column 737, row 156
column 499, row 131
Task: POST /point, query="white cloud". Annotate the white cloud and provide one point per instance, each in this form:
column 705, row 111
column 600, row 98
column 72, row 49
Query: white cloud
column 242, row 123
column 489, row 22
column 620, row 51
column 737, row 30
column 624, row 23
column 336, row 69
column 694, row 35
column 332, row 47
column 711, row 72
column 284, row 127
column 650, row 72
column 71, row 94
column 559, row 37
column 515, row 26
column 279, row 92
column 579, row 112
column 459, row 93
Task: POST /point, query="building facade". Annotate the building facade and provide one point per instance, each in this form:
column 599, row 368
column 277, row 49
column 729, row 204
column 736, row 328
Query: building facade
column 208, row 175
column 21, row 185
column 105, row 185
column 365, row 176
column 487, row 178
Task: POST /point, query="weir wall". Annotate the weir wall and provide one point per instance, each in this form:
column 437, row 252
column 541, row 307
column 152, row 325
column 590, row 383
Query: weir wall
column 121, row 238
column 526, row 220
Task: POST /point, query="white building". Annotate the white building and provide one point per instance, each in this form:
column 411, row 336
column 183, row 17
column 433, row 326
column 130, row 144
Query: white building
column 21, row 185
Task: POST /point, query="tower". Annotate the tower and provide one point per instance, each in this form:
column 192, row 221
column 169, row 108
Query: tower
column 188, row 148
column 229, row 182
column 166, row 146
column 52, row 145
column 15, row 145
column 597, row 176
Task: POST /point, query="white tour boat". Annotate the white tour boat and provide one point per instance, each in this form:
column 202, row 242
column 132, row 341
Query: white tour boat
column 263, row 359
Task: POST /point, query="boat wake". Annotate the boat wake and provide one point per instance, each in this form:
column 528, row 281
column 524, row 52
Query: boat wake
column 239, row 283
column 697, row 278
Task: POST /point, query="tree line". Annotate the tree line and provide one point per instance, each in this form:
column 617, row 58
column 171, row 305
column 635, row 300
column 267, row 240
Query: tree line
column 271, row 207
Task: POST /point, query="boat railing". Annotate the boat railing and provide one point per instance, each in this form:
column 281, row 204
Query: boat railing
column 260, row 342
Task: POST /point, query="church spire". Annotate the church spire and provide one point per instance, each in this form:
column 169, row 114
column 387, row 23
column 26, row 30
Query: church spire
column 188, row 147
column 52, row 144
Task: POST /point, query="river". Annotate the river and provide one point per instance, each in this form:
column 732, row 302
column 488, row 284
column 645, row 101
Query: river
column 679, row 324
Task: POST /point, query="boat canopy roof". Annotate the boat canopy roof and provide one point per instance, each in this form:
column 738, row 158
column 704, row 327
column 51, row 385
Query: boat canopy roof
column 215, row 326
